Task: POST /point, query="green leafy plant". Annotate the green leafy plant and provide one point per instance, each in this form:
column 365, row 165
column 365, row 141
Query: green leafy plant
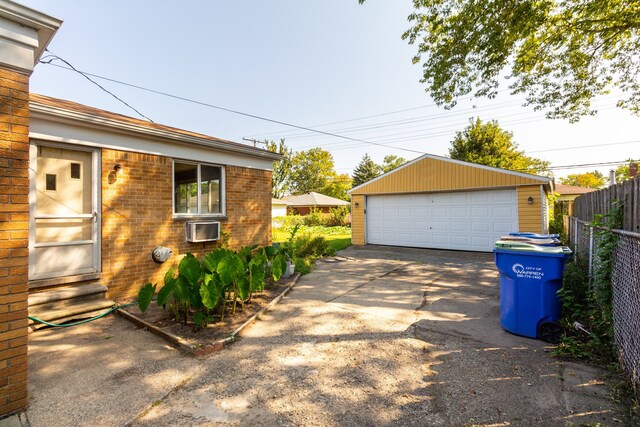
column 587, row 300
column 338, row 216
column 197, row 288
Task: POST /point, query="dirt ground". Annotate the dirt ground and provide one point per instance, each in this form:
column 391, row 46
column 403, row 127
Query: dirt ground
column 381, row 337
column 217, row 329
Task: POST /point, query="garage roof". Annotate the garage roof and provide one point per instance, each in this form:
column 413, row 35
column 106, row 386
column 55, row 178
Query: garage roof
column 435, row 173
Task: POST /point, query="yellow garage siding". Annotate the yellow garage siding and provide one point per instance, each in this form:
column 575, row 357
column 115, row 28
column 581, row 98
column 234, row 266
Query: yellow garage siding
column 429, row 174
column 357, row 220
column 530, row 215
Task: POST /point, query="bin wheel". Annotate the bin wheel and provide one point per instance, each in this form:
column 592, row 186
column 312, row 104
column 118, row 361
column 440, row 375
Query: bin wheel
column 550, row 332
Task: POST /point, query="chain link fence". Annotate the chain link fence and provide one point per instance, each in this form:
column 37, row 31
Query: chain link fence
column 625, row 283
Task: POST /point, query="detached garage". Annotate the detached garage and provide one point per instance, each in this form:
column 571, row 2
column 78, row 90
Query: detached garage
column 441, row 203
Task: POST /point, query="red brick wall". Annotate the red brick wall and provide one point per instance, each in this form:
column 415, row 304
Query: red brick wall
column 306, row 210
column 137, row 216
column 14, row 239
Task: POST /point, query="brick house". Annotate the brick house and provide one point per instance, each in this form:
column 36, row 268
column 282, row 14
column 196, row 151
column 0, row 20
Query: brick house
column 107, row 189
column 86, row 195
column 303, row 204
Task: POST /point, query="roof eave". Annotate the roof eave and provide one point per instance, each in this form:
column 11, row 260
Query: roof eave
column 37, row 109
column 542, row 179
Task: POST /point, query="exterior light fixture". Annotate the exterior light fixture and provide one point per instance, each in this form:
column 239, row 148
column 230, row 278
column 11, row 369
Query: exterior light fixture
column 530, row 200
column 356, row 204
column 117, row 167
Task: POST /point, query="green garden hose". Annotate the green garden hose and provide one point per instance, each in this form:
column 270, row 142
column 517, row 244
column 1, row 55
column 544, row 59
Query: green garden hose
column 91, row 319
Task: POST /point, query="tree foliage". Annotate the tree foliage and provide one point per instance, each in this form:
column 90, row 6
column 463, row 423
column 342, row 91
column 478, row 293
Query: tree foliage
column 487, row 144
column 338, row 187
column 622, row 171
column 366, row 170
column 560, row 53
column 311, row 170
column 390, row 162
column 593, row 179
column 280, row 181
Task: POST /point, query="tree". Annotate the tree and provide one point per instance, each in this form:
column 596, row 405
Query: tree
column 311, row 170
column 338, row 187
column 366, row 170
column 280, row 176
column 588, row 180
column 622, row 171
column 391, row 162
column 487, row 144
column 560, row 53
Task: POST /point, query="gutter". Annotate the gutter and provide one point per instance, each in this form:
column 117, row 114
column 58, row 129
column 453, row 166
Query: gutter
column 39, row 110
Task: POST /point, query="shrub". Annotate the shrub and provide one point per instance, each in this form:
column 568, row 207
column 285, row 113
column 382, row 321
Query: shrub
column 338, row 216
column 289, row 221
column 315, row 217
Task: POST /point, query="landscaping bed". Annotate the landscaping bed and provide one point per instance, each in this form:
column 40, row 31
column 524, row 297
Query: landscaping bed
column 216, row 335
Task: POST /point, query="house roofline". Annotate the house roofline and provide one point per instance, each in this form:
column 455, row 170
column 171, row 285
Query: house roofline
column 45, row 111
column 543, row 179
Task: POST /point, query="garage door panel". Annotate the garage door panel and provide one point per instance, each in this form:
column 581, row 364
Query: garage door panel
column 460, row 212
column 440, row 213
column 502, row 212
column 480, row 212
column 439, row 226
column 459, row 199
column 471, row 220
column 480, row 197
column 460, row 226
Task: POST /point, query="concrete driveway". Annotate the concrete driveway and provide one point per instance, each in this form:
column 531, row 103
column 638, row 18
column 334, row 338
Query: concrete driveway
column 381, row 336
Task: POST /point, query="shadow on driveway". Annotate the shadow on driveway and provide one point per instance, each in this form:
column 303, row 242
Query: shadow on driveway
column 381, row 336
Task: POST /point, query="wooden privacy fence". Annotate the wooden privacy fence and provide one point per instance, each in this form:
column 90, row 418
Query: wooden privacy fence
column 587, row 206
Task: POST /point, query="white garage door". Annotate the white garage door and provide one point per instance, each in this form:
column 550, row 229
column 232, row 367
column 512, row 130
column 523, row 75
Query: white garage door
column 470, row 220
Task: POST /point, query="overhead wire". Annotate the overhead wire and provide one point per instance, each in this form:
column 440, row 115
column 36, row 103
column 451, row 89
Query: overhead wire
column 53, row 57
column 229, row 110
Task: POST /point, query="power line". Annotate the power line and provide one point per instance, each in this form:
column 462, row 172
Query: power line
column 432, row 117
column 205, row 104
column 55, row 57
column 585, row 146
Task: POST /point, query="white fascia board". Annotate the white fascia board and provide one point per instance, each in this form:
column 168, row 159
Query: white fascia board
column 74, row 118
column 24, row 35
column 544, row 179
column 69, row 133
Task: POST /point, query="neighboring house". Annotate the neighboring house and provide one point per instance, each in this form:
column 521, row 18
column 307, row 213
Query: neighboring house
column 566, row 194
column 278, row 208
column 304, row 203
column 438, row 202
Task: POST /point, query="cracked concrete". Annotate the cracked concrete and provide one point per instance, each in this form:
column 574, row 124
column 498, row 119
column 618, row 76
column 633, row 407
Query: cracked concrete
column 386, row 336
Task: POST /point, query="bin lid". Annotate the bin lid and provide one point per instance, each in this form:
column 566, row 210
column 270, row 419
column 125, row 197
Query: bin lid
column 535, row 241
column 529, row 247
column 535, row 235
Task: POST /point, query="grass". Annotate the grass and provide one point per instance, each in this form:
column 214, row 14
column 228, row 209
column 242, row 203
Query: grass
column 338, row 237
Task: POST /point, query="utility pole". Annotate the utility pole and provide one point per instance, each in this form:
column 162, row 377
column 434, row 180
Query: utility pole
column 255, row 141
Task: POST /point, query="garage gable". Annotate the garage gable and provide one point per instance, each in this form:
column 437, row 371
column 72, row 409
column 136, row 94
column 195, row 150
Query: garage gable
column 434, row 173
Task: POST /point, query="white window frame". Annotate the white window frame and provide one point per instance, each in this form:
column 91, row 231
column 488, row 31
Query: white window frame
column 223, row 205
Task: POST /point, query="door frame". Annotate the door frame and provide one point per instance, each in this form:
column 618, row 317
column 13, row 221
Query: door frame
column 96, row 177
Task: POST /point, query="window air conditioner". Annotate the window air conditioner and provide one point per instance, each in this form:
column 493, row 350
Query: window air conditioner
column 202, row 231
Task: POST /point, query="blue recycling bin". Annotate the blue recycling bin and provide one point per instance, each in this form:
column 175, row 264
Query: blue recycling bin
column 530, row 277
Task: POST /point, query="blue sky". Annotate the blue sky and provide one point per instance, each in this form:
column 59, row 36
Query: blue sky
column 303, row 62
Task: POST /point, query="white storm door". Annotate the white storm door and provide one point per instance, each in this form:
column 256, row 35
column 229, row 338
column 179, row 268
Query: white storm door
column 64, row 233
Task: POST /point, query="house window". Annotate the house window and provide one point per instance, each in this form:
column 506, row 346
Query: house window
column 50, row 182
column 75, row 170
column 197, row 189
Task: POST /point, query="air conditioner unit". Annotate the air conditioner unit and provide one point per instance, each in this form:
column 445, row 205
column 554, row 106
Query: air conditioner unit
column 202, row 231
